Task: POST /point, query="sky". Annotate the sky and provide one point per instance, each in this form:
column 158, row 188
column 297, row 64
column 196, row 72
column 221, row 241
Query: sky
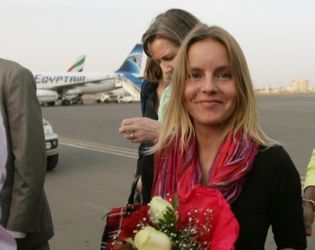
column 277, row 37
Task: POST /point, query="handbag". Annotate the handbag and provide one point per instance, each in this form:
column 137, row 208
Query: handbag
column 115, row 218
column 113, row 225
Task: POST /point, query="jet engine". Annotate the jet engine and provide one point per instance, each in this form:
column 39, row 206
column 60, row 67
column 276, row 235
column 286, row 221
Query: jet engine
column 46, row 96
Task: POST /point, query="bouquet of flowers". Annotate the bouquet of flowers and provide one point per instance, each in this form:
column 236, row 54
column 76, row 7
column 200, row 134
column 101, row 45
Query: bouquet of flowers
column 200, row 219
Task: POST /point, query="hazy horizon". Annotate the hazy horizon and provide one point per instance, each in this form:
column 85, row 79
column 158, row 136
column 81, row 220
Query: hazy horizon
column 276, row 36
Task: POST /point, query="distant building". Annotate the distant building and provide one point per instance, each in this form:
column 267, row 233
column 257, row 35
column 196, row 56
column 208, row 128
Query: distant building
column 296, row 86
column 299, row 86
column 264, row 90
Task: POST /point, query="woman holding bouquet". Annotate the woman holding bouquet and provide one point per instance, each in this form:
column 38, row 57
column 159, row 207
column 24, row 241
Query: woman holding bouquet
column 210, row 136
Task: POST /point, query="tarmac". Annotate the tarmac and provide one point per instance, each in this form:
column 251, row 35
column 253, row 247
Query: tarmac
column 96, row 163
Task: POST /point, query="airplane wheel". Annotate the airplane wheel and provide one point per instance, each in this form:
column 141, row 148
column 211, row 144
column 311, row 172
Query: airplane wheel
column 66, row 102
column 51, row 103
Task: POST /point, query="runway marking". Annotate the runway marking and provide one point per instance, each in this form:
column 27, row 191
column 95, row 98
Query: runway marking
column 102, row 148
column 286, row 109
column 109, row 149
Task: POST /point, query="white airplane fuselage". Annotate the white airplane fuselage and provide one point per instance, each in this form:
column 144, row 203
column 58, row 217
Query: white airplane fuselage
column 50, row 86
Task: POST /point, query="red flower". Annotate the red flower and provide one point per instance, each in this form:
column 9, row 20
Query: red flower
column 206, row 210
column 134, row 222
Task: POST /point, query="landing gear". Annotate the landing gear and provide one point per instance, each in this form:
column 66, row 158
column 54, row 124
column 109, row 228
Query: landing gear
column 51, row 103
column 66, row 102
column 79, row 102
column 70, row 101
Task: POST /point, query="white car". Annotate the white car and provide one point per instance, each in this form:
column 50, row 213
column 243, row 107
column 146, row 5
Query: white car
column 51, row 140
column 127, row 99
column 106, row 98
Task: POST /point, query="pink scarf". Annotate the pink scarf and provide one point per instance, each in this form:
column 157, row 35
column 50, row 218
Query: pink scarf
column 177, row 171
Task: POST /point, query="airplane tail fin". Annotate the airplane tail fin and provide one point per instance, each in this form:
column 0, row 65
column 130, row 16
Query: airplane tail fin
column 132, row 64
column 78, row 65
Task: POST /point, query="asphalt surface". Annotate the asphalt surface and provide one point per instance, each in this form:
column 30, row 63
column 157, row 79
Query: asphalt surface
column 96, row 163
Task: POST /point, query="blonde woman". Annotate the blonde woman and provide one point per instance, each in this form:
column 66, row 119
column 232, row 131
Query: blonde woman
column 211, row 136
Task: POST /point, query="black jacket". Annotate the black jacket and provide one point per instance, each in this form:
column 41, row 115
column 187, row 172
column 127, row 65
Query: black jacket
column 271, row 196
column 145, row 163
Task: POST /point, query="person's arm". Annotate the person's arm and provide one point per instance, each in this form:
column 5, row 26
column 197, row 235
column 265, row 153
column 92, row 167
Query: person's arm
column 28, row 147
column 140, row 129
column 309, row 195
column 3, row 153
column 286, row 204
column 165, row 98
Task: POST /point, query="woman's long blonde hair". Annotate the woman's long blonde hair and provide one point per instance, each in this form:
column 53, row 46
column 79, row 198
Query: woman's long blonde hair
column 178, row 125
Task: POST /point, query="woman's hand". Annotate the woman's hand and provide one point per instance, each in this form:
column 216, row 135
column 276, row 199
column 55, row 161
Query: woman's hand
column 140, row 129
column 308, row 217
column 308, row 208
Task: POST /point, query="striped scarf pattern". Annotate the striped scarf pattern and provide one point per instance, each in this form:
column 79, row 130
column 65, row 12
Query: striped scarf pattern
column 179, row 172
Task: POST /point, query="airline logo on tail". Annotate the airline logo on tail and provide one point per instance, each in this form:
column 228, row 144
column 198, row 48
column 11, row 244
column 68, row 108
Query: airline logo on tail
column 133, row 62
column 78, row 65
column 132, row 65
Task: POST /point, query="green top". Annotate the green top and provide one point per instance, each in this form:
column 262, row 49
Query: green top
column 310, row 172
column 165, row 97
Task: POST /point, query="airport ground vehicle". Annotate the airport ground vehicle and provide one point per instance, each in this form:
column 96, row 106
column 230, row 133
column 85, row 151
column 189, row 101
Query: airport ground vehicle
column 127, row 99
column 106, row 98
column 70, row 100
column 51, row 141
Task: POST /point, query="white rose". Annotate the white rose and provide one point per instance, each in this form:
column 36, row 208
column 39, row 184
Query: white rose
column 149, row 238
column 158, row 208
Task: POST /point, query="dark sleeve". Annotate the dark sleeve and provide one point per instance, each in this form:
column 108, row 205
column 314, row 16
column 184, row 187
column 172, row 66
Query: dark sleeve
column 143, row 95
column 286, row 211
column 145, row 163
column 148, row 93
column 143, row 98
column 143, row 160
column 28, row 147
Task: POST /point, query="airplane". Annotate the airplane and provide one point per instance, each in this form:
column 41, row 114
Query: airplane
column 77, row 66
column 70, row 86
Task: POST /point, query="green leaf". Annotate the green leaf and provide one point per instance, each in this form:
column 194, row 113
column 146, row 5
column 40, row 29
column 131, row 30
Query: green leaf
column 175, row 201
